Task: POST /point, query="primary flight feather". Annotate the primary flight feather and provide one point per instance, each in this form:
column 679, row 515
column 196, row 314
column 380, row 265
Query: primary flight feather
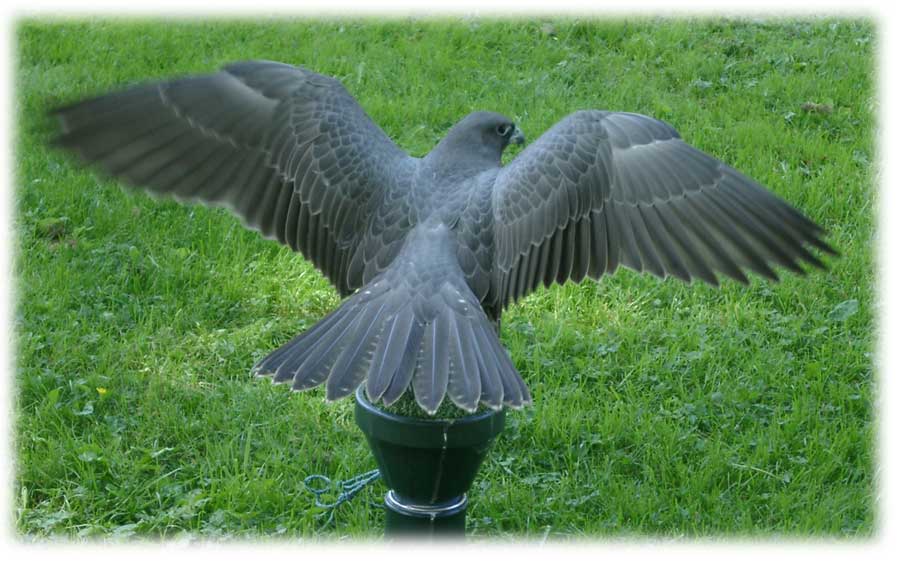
column 427, row 252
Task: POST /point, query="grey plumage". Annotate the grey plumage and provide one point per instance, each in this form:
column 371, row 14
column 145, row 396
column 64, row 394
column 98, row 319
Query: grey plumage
column 428, row 252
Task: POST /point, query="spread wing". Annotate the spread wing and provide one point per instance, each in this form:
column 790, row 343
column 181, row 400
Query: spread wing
column 601, row 189
column 289, row 151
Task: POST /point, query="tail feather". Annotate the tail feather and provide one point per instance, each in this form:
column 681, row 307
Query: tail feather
column 351, row 367
column 491, row 385
column 389, row 353
column 315, row 364
column 433, row 366
column 422, row 329
column 298, row 344
column 403, row 376
column 465, row 391
column 496, row 356
column 455, row 355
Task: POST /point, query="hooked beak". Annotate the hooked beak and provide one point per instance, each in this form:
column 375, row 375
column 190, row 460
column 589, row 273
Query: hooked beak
column 517, row 137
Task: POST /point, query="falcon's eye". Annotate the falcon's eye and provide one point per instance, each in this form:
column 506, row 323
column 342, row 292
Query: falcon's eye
column 504, row 129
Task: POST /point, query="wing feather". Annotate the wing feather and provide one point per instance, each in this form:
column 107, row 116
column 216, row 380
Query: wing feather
column 247, row 138
column 603, row 188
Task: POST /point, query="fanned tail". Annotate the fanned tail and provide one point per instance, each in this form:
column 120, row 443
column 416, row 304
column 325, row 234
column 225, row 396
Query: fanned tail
column 415, row 325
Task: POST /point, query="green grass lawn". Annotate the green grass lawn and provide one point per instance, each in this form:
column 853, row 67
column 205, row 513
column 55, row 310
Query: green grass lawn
column 660, row 409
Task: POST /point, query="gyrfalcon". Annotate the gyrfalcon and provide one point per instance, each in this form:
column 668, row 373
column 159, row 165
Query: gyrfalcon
column 427, row 252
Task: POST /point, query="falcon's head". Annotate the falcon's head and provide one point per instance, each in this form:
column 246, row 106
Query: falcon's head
column 480, row 136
